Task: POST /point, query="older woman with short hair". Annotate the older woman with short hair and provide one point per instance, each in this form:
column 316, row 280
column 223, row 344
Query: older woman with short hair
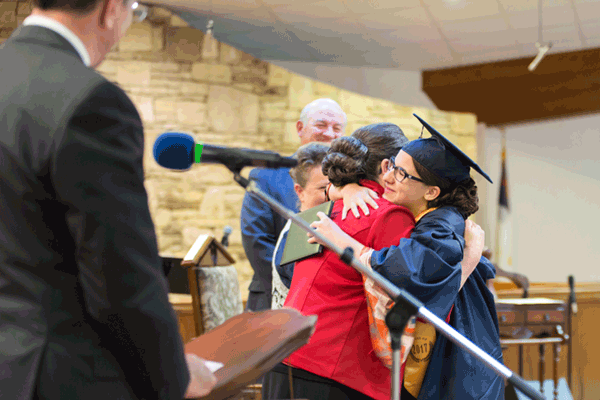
column 309, row 185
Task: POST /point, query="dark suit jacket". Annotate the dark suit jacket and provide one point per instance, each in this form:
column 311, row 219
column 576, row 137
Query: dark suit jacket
column 84, row 312
column 261, row 227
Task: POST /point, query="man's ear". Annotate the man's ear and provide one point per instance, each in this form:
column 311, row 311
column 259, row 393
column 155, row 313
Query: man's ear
column 298, row 189
column 108, row 14
column 432, row 193
column 299, row 127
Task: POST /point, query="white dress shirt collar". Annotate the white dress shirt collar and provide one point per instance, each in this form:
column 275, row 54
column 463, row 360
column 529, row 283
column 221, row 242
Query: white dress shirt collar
column 55, row 26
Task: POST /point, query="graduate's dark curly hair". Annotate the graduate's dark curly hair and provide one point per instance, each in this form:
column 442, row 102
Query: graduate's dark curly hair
column 463, row 196
column 359, row 156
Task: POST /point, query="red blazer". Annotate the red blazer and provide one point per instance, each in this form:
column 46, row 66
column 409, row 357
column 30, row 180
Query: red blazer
column 340, row 348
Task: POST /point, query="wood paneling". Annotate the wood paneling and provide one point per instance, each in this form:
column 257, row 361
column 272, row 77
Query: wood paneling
column 182, row 304
column 506, row 92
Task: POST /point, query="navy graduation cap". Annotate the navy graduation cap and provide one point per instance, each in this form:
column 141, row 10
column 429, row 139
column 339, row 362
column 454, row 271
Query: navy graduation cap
column 441, row 157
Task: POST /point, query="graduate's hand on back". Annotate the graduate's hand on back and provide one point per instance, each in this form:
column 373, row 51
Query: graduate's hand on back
column 334, row 233
column 355, row 197
column 474, row 238
column 474, row 243
column 329, row 229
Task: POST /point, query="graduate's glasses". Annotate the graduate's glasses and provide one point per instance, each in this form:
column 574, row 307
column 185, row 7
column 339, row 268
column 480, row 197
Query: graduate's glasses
column 140, row 12
column 400, row 173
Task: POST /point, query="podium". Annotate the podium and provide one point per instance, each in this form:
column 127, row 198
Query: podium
column 208, row 262
column 249, row 345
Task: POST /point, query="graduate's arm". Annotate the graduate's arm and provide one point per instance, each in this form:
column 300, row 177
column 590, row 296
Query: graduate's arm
column 474, row 243
column 427, row 264
column 387, row 228
column 334, row 233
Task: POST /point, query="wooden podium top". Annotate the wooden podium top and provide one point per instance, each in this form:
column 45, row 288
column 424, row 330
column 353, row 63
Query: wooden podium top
column 249, row 345
column 207, row 251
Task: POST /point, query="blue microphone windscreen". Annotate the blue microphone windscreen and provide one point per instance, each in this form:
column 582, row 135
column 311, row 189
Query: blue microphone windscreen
column 174, row 150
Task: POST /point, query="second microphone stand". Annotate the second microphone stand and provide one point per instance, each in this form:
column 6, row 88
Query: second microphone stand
column 405, row 304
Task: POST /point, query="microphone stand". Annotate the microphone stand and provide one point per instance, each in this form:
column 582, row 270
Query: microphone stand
column 405, row 304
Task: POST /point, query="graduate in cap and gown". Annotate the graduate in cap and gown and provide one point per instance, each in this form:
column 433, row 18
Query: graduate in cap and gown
column 431, row 177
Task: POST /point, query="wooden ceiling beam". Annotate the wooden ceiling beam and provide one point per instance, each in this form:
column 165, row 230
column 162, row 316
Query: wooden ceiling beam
column 506, row 92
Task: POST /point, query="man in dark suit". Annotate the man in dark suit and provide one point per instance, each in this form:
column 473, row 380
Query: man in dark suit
column 84, row 311
column 320, row 121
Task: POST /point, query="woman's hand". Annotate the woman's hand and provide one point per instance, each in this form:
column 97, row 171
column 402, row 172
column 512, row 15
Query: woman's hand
column 333, row 232
column 474, row 243
column 355, row 197
column 202, row 379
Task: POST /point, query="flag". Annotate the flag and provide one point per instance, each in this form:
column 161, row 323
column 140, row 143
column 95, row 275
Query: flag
column 504, row 226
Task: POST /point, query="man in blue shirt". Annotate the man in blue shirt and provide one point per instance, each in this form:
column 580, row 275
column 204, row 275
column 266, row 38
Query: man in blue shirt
column 322, row 120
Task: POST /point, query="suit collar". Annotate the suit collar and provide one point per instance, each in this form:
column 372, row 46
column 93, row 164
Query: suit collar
column 61, row 30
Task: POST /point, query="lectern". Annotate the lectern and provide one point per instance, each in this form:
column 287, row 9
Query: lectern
column 205, row 254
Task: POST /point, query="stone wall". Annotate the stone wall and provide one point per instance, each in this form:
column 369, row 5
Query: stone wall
column 182, row 80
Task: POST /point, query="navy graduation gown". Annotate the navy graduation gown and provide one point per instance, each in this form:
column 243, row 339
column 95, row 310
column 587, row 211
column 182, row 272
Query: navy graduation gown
column 428, row 266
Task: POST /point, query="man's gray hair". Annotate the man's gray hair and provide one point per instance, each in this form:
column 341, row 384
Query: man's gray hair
column 321, row 104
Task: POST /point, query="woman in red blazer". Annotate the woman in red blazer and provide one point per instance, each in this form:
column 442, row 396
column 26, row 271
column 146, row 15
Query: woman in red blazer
column 339, row 362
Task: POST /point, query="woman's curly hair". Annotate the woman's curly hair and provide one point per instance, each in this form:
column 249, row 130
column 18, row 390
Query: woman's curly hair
column 359, row 156
column 345, row 161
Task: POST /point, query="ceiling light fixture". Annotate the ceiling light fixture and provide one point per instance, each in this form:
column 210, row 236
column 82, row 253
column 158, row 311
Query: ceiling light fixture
column 209, row 27
column 210, row 23
column 541, row 46
column 140, row 12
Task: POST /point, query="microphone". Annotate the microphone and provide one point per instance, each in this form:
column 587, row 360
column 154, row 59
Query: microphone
column 226, row 232
column 572, row 299
column 179, row 151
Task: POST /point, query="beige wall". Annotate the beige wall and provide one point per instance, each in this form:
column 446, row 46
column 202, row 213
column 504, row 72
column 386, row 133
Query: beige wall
column 181, row 80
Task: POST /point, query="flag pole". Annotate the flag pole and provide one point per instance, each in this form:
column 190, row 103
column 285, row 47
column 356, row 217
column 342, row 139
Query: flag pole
column 497, row 252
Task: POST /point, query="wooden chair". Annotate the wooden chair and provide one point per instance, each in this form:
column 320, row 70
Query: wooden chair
column 532, row 321
column 213, row 283
column 215, row 291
